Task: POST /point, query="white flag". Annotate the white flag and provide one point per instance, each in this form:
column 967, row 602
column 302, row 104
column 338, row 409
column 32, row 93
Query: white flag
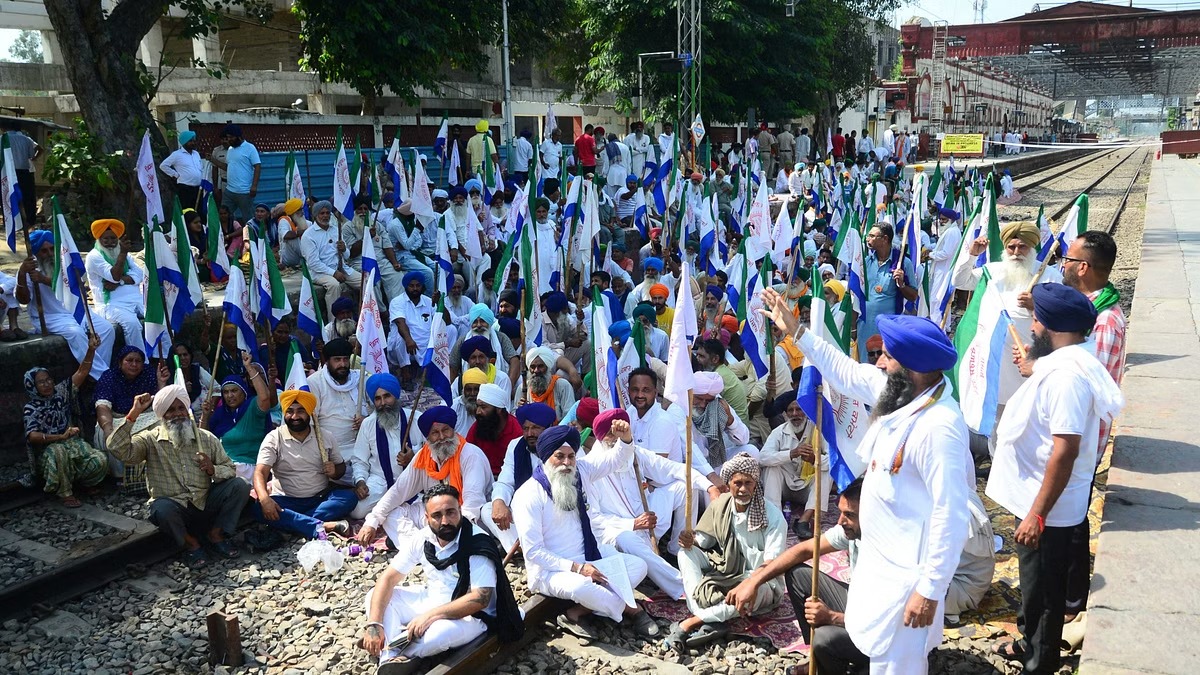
column 343, row 191
column 370, row 332
column 147, row 173
column 455, row 165
column 679, row 358
column 422, row 201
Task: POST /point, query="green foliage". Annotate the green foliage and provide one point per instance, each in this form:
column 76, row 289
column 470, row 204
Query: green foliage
column 83, row 173
column 27, row 48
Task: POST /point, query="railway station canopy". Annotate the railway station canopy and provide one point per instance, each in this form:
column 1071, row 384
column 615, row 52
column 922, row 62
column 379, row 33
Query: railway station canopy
column 1076, row 50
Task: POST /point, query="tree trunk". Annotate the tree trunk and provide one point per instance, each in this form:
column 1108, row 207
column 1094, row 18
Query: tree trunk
column 100, row 54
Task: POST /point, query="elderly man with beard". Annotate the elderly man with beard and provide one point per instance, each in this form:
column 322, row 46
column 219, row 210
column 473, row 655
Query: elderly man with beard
column 653, row 268
column 323, row 250
column 446, row 457
column 293, row 479
column 343, row 324
column 494, row 427
column 1045, row 461
column 456, row 220
column 567, row 329
column 478, row 350
column 552, row 520
column 618, row 516
column 466, row 403
column 546, row 386
column 115, row 279
column 188, row 474
column 657, row 342
column 519, row 462
column 382, row 449
column 1010, row 278
column 336, row 388
column 914, row 505
column 353, row 235
column 738, row 533
column 34, row 277
column 466, row 592
column 718, row 432
column 787, row 461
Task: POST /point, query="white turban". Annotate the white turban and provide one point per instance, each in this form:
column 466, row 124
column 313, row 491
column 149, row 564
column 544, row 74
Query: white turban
column 493, row 395
column 545, row 354
column 826, row 268
column 439, row 194
column 708, row 384
column 166, row 396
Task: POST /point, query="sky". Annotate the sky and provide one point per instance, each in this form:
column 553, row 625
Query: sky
column 7, row 36
column 959, row 12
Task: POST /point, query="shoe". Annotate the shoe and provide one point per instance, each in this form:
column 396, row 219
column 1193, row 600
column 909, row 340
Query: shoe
column 644, row 625
column 401, row 665
column 580, row 628
column 802, row 529
column 340, row 527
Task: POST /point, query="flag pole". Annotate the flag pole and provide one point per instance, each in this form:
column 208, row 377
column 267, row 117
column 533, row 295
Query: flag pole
column 212, row 385
column 816, row 562
column 687, row 469
column 637, row 474
column 87, row 311
column 37, row 288
column 412, row 414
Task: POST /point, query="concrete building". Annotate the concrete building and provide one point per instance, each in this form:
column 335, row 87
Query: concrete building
column 879, row 102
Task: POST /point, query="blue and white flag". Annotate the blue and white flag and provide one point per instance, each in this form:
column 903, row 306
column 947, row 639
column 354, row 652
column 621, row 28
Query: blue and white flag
column 980, row 341
column 68, row 267
column 455, row 166
column 370, row 332
column 177, row 302
column 10, row 195
column 237, row 309
column 393, row 166
column 604, row 361
column 297, row 379
column 147, row 173
column 439, row 143
column 443, row 256
column 343, row 190
column 660, row 189
column 437, row 356
column 308, row 316
column 755, row 327
column 369, row 260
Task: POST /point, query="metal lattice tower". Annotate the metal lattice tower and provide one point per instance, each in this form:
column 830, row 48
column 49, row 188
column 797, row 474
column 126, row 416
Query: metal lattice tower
column 937, row 104
column 980, row 7
column 688, row 48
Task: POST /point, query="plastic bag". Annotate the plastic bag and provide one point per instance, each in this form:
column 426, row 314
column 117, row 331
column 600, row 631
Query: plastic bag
column 319, row 550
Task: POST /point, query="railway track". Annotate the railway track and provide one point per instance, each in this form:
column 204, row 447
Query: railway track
column 1074, row 165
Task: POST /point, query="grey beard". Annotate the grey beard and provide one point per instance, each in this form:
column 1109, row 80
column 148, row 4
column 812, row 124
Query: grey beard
column 460, row 212
column 443, row 450
column 179, row 432
column 897, row 393
column 471, row 405
column 110, row 252
column 345, row 328
column 1041, row 346
column 563, row 488
column 388, row 418
column 539, row 383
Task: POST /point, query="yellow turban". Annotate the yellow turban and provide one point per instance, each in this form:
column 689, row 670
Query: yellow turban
column 103, row 225
column 306, row 399
column 1025, row 230
column 481, row 126
column 474, row 376
column 292, row 205
column 838, row 288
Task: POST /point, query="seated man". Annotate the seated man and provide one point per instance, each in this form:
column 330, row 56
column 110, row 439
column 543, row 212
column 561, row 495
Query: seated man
column 787, row 461
column 300, row 497
column 519, row 462
column 343, row 322
column 494, row 426
column 545, row 386
column 619, row 517
column 381, row 449
column 479, row 352
column 466, row 591
column 467, row 403
column 446, row 457
column 737, row 534
column 717, row 430
column 193, row 491
column 551, row 516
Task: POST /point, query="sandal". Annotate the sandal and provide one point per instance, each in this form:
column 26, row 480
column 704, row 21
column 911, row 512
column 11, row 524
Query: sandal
column 401, row 665
column 7, row 335
column 676, row 640
column 706, row 634
column 21, row 335
column 195, row 559
column 71, row 502
column 580, row 628
column 224, row 549
column 1012, row 650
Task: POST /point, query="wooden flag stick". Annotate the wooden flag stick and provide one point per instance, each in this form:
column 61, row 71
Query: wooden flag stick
column 412, row 415
column 1012, row 330
column 687, row 466
column 816, row 561
column 637, row 474
column 212, row 385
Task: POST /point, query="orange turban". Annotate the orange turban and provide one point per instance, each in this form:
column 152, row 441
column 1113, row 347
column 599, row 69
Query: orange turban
column 660, row 289
column 103, row 225
column 306, row 399
column 729, row 322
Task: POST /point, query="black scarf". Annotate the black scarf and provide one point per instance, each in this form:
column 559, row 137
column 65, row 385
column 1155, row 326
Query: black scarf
column 522, row 463
column 508, row 625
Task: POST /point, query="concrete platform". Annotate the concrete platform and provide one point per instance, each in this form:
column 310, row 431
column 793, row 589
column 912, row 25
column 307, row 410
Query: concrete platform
column 1144, row 610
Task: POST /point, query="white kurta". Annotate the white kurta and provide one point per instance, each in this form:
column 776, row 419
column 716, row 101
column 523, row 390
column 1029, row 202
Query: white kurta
column 365, row 464
column 59, row 321
column 125, row 304
column 914, row 521
column 553, row 539
column 639, row 149
column 941, row 261
column 337, row 405
column 419, row 318
column 503, row 489
column 779, row 469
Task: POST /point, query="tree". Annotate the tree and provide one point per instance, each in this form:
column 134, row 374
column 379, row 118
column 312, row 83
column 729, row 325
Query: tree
column 753, row 55
column 27, row 48
column 373, row 47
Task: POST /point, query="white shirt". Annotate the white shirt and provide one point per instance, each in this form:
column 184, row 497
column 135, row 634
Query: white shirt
column 364, row 462
column 336, row 406
column 319, row 248
column 617, row 498
column 476, row 482
column 126, row 296
column 552, row 538
column 522, row 153
column 552, row 153
column 666, row 144
column 440, row 584
column 777, row 451
column 418, row 316
column 465, row 418
column 639, row 149
column 506, row 484
column 184, row 167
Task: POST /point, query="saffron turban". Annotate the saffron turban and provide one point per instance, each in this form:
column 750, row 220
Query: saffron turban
column 603, row 422
column 838, row 288
column 1025, row 230
column 99, row 227
column 167, row 396
column 554, row 438
column 306, row 399
column 660, row 290
column 729, row 322
column 292, row 205
column 443, row 414
column 384, row 381
column 539, row 414
column 916, row 343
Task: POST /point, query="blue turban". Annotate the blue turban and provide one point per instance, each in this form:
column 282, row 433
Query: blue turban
column 645, row 309
column 413, row 276
column 510, row 327
column 620, row 331
column 481, row 311
column 473, row 184
column 478, row 343
column 457, row 191
column 39, row 238
column 232, row 130
column 618, row 246
column 438, row 413
column 554, row 438
column 715, row 291
column 538, row 413
column 949, row 213
column 631, row 178
column 654, row 263
column 384, row 381
column 343, row 304
column 1063, row 309
column 525, row 133
column 186, row 136
column 389, row 196
column 916, row 343
column 556, row 301
column 510, row 186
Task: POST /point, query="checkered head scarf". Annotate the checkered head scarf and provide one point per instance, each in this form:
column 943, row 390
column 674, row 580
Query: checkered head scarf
column 744, row 463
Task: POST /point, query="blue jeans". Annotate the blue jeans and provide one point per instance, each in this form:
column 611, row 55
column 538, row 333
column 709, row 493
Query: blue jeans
column 306, row 516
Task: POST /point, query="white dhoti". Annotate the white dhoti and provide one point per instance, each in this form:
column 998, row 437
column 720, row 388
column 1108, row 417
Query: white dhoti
column 507, row 537
column 777, row 486
column 126, row 318
column 583, row 591
column 377, row 487
column 908, row 654
column 76, row 336
column 694, row 564
column 444, row 634
column 637, row 543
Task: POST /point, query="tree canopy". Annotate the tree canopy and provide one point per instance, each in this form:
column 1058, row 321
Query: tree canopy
column 27, row 48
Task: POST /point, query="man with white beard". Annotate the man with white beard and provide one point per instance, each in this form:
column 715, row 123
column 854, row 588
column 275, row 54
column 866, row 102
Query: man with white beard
column 456, row 220
column 546, row 386
column 446, row 457
column 619, row 518
column 718, row 431
column 520, row 460
column 639, row 148
column 464, row 404
column 343, row 324
column 115, row 279
column 382, row 449
column 551, row 516
column 193, row 491
column 1011, row 278
column 787, row 461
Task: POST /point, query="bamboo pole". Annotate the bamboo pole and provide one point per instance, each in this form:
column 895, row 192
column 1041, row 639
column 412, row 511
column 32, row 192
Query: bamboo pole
column 816, row 561
column 637, row 473
column 687, row 466
column 212, row 385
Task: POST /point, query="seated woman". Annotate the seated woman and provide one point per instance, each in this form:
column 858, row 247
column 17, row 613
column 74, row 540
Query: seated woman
column 115, row 391
column 199, row 243
column 240, row 420
column 232, row 230
column 197, row 380
column 57, row 453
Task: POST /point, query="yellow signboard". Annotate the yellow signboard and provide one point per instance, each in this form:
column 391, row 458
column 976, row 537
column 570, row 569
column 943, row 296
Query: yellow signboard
column 961, row 145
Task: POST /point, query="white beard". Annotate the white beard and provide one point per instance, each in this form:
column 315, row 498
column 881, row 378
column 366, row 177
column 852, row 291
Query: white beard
column 179, row 432
column 443, row 450
column 388, row 418
column 1013, row 273
column 460, row 212
column 345, row 328
column 110, row 252
column 563, row 488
